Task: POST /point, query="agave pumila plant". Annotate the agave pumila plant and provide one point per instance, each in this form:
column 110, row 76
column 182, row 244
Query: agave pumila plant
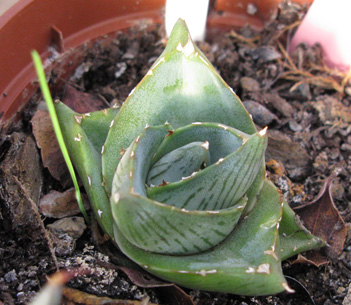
column 176, row 178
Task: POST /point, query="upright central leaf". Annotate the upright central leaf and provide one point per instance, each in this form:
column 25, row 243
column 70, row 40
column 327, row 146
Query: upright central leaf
column 181, row 87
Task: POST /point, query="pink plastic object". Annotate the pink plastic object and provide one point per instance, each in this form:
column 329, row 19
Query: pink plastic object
column 328, row 23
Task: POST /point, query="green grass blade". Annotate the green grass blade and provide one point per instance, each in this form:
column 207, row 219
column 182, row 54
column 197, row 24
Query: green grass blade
column 50, row 104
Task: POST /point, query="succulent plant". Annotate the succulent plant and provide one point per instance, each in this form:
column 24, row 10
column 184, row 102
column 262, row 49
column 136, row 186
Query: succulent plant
column 176, row 177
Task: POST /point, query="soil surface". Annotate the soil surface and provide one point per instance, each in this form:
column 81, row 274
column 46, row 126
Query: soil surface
column 305, row 105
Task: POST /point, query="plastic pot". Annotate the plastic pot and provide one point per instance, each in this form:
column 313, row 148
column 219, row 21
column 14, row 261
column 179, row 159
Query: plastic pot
column 332, row 35
column 60, row 30
column 63, row 25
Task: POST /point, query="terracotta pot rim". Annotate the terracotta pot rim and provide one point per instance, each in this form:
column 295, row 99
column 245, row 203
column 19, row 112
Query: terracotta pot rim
column 18, row 25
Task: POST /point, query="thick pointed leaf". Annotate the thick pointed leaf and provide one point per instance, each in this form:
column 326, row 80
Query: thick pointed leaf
column 294, row 237
column 165, row 229
column 255, row 188
column 220, row 185
column 245, row 263
column 191, row 92
column 158, row 227
column 181, row 162
column 87, row 161
column 222, row 139
column 97, row 124
column 132, row 171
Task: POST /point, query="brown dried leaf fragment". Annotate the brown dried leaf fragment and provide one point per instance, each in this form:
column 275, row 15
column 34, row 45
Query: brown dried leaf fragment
column 82, row 102
column 279, row 103
column 169, row 291
column 74, row 296
column 276, row 166
column 20, row 184
column 249, row 84
column 58, row 205
column 50, row 151
column 313, row 257
column 260, row 114
column 26, row 240
column 143, row 279
column 294, row 157
column 323, row 220
column 45, row 136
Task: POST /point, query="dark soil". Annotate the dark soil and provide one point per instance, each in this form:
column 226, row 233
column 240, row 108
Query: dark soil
column 305, row 105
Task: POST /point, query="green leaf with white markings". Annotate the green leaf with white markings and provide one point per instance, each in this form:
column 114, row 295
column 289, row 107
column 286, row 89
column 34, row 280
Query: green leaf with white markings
column 182, row 87
column 245, row 263
column 181, row 162
column 85, row 151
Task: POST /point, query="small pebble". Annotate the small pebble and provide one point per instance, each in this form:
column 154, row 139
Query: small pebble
column 346, row 146
column 249, row 84
column 337, row 190
column 294, row 126
column 260, row 114
column 63, row 243
column 58, row 205
column 10, row 276
column 121, row 68
column 73, row 226
column 334, row 153
column 83, row 68
column 347, row 299
column 251, row 9
column 279, row 103
column 265, row 53
column 304, row 91
column 340, row 290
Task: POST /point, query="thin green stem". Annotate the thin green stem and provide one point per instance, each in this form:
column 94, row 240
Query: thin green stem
column 50, row 104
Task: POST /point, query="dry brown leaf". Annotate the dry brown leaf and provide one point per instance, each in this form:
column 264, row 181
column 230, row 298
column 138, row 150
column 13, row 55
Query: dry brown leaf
column 169, row 291
column 276, row 166
column 143, row 279
column 45, row 136
column 294, row 157
column 323, row 219
column 313, row 257
column 21, row 178
column 82, row 102
column 50, row 151
column 57, row 205
column 174, row 294
column 279, row 103
column 20, row 183
column 73, row 296
column 282, row 148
